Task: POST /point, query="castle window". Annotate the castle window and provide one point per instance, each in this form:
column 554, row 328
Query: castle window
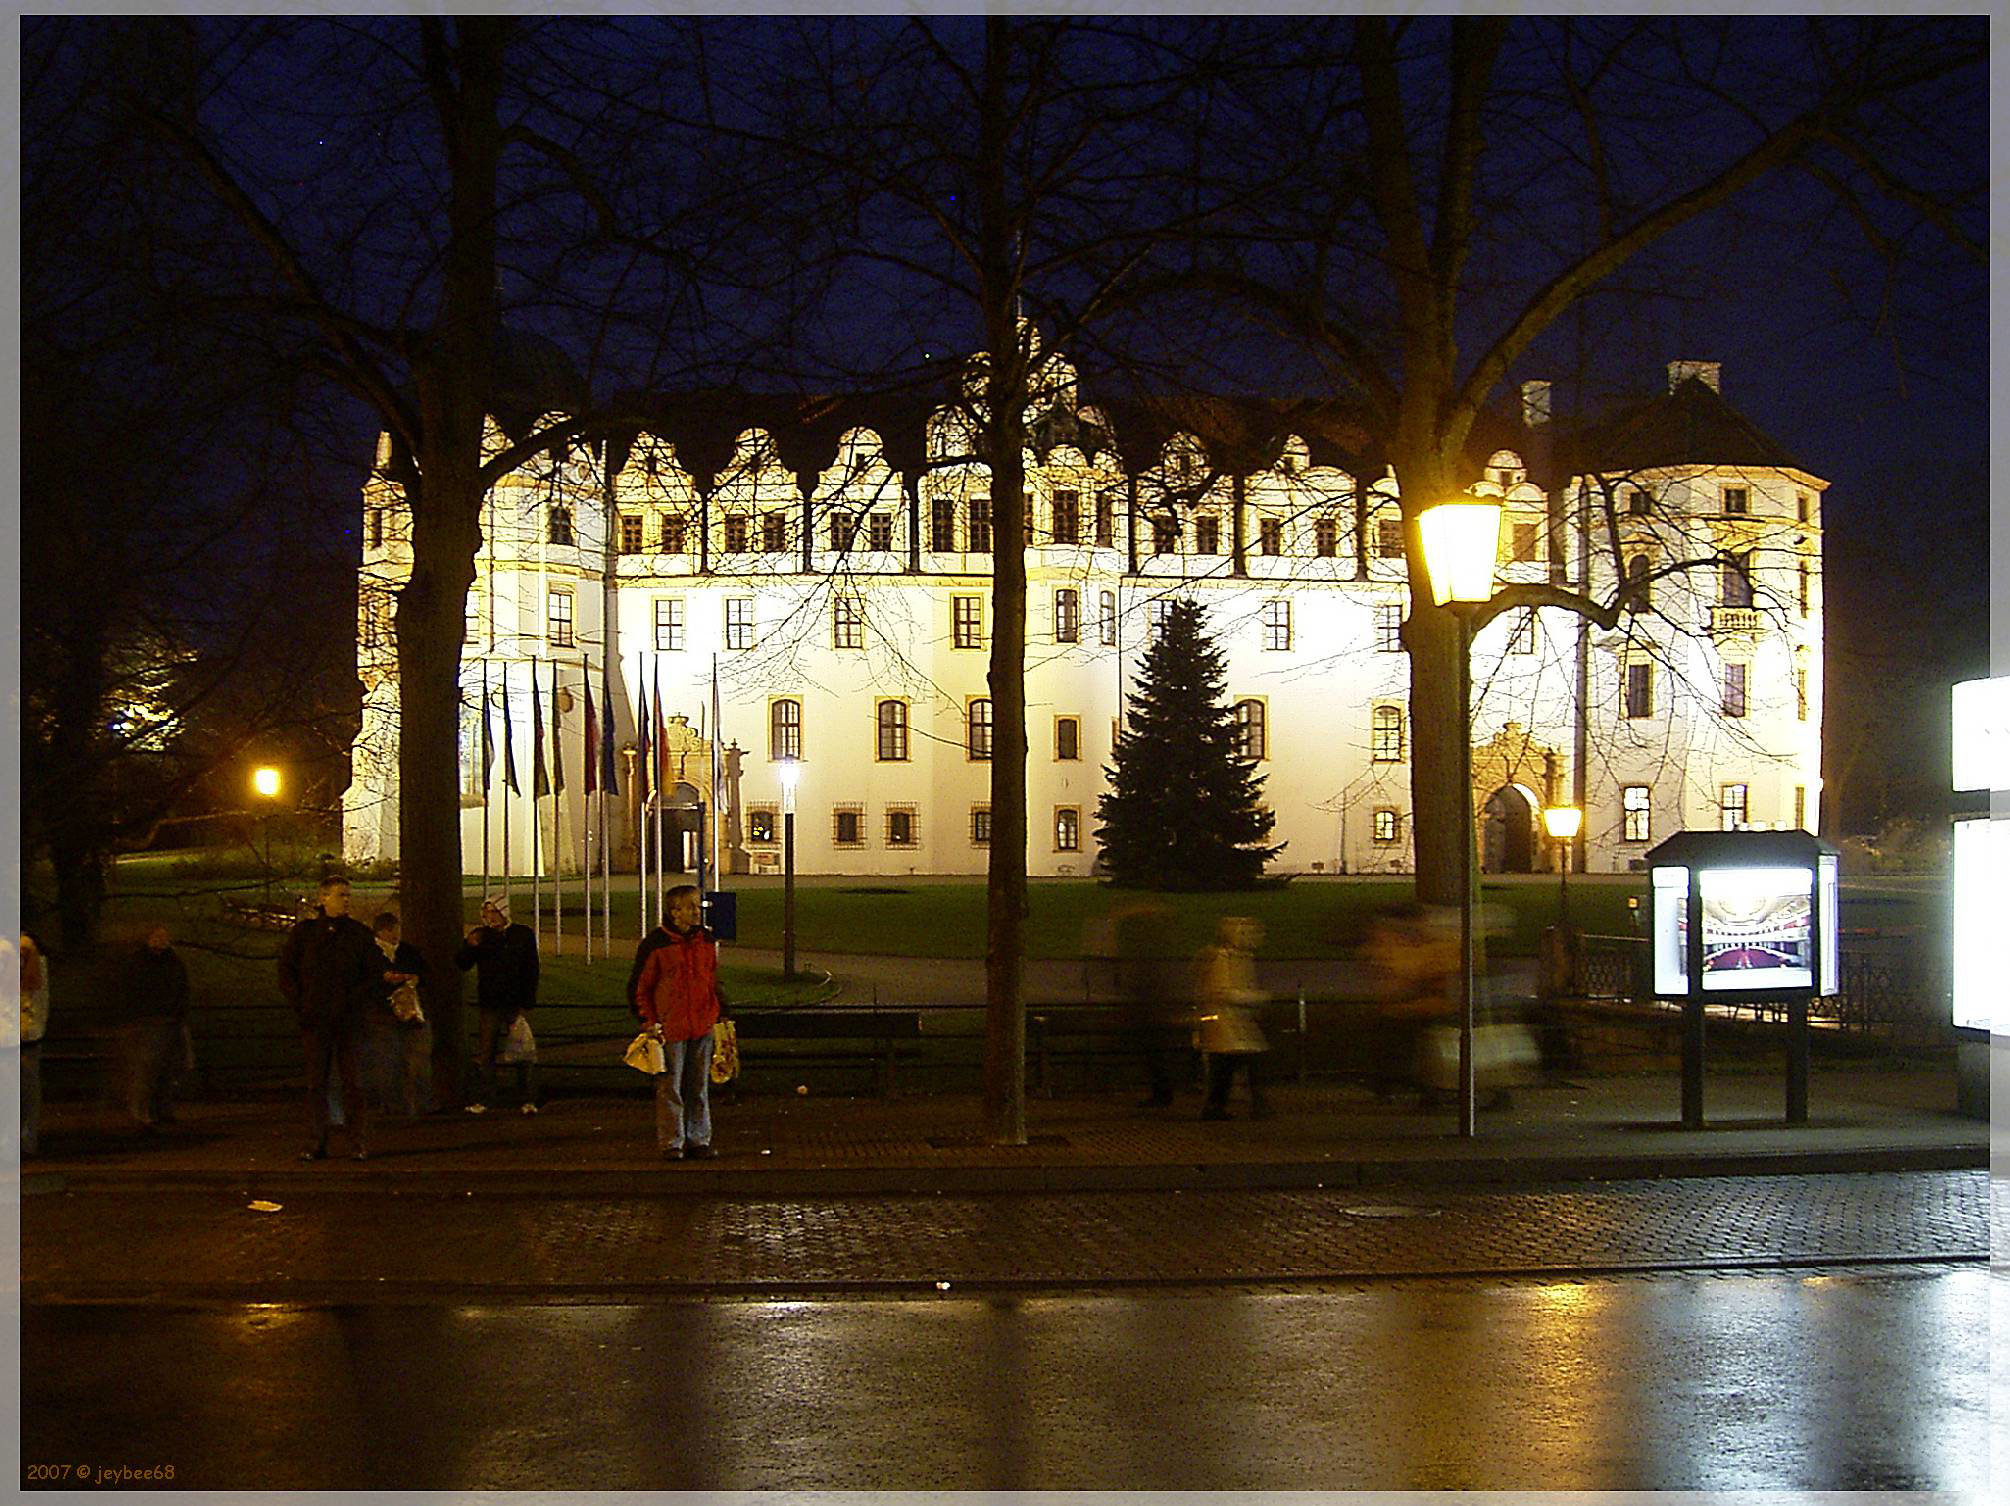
column 1640, row 590
column 980, row 826
column 1388, row 826
column 1326, row 537
column 473, row 632
column 1523, row 641
column 1526, row 537
column 1803, row 507
column 847, row 621
column 739, row 622
column 775, row 532
column 1067, row 517
column 1106, row 520
column 675, row 536
column 1800, row 695
column 879, row 532
column 1639, row 689
column 1067, row 829
column 558, row 524
column 785, row 729
column 980, row 525
column 1734, row 581
column 631, row 533
column 903, row 827
column 1277, row 625
column 980, row 730
column 1732, row 806
column 1385, row 738
column 1638, row 502
column 1803, row 593
column 1206, row 535
column 1270, row 535
column 842, row 526
column 1636, row 813
column 558, row 618
column 848, row 826
column 1252, row 739
column 942, row 525
column 1067, row 615
column 1388, row 629
column 762, row 824
column 892, row 732
column 1389, row 539
column 1106, row 622
column 1067, row 738
column 966, row 621
column 1165, row 534
column 1735, row 676
column 736, row 533
column 1737, row 499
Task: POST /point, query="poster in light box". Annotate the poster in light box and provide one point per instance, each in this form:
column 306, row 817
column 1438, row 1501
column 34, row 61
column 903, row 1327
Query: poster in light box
column 1758, row 928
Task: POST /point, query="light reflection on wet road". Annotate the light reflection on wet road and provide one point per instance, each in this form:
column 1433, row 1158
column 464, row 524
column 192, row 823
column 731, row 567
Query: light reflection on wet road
column 1865, row 1379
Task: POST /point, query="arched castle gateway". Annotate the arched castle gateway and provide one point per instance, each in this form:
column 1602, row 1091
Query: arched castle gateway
column 832, row 559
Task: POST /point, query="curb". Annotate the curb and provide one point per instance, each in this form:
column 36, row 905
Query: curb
column 776, row 1182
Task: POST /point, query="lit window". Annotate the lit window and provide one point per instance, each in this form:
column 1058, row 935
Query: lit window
column 739, row 622
column 1067, row 616
column 1388, row 826
column 1067, row 738
column 1735, row 676
column 1385, row 741
column 903, row 828
column 1107, row 618
column 1731, row 806
column 762, row 824
column 966, row 619
column 980, row 730
column 1389, row 539
column 893, row 732
column 980, row 826
column 1252, row 739
column 980, row 525
column 1206, row 535
column 879, row 532
column 1067, row 829
column 847, row 621
column 558, row 618
column 1523, row 641
column 1639, row 503
column 1640, row 590
column 1388, row 629
column 1277, row 625
column 1165, row 534
column 1636, row 813
column 775, row 532
column 848, row 826
column 377, row 527
column 1639, row 689
column 670, row 623
column 785, row 729
column 674, row 538
column 1106, row 520
column 1737, row 499
column 1734, row 581
column 1326, row 537
column 736, row 533
column 631, row 533
column 558, row 524
column 942, row 525
column 1270, row 535
column 1155, row 618
column 1067, row 518
column 842, row 526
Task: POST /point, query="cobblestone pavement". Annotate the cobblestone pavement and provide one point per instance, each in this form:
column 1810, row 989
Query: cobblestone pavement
column 209, row 1245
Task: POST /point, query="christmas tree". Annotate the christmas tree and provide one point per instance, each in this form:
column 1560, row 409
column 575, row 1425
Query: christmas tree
column 1182, row 810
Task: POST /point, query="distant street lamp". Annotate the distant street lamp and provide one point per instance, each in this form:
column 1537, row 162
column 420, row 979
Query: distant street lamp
column 265, row 783
column 1461, row 543
column 791, row 773
column 1563, row 822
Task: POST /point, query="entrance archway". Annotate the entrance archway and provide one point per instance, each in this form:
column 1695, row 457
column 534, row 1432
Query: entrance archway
column 1507, row 831
column 683, row 822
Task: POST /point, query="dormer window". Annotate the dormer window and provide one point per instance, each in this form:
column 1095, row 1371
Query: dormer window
column 1737, row 499
column 558, row 524
column 1639, row 503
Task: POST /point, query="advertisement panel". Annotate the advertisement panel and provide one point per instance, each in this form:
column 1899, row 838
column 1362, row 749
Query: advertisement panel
column 1758, row 929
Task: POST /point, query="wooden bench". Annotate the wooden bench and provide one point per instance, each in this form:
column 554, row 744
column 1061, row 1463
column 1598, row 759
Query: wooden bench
column 883, row 1028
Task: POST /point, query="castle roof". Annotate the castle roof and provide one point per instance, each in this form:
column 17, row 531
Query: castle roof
column 1691, row 425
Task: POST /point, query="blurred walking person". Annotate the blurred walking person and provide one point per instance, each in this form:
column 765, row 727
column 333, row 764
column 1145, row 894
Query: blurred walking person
column 330, row 970
column 153, row 1038
column 1413, row 957
column 1230, row 1033
column 1153, row 1007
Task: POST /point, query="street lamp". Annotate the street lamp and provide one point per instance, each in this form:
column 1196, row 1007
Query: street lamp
column 1563, row 822
column 791, row 773
column 265, row 783
column 1461, row 543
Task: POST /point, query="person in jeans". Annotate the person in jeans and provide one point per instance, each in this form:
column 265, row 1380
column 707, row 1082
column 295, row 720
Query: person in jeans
column 680, row 1001
column 504, row 957
column 154, row 997
column 330, row 971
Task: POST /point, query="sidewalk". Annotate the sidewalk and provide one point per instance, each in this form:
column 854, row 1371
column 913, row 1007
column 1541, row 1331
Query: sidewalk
column 1323, row 1135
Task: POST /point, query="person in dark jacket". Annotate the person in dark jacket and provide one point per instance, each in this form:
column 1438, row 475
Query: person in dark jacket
column 154, row 999
column 400, row 1042
column 330, row 971
column 504, row 957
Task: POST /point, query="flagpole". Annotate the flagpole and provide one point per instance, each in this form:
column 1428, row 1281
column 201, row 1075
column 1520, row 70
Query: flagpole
column 717, row 738
column 487, row 761
column 509, row 779
column 557, row 820
column 641, row 806
column 536, row 804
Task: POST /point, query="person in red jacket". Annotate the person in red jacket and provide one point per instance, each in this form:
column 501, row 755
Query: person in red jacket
column 679, row 1000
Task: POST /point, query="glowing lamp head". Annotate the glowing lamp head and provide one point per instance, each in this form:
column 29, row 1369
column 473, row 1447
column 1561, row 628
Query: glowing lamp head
column 1563, row 822
column 265, row 781
column 791, row 774
column 1461, row 542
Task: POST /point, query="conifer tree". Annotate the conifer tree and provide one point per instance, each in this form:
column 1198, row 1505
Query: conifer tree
column 1182, row 809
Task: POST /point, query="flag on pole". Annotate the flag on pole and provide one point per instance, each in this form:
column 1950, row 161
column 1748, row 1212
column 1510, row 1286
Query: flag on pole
column 509, row 740
column 557, row 736
column 610, row 780
column 488, row 735
column 662, row 738
column 540, row 781
column 718, row 741
column 643, row 754
column 592, row 738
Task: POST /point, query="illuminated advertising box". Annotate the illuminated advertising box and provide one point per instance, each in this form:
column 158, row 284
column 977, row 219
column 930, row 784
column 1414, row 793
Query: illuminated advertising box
column 1767, row 905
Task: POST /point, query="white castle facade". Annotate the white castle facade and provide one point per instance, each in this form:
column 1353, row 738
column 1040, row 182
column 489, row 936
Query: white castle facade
column 841, row 604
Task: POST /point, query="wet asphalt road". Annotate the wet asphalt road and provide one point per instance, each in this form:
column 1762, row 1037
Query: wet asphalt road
column 1865, row 1378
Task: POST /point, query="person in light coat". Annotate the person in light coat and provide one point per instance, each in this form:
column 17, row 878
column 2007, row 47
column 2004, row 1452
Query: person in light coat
column 1229, row 1031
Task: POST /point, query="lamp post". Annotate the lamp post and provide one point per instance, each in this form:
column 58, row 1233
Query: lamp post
column 1563, row 822
column 791, row 773
column 1461, row 543
column 265, row 783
